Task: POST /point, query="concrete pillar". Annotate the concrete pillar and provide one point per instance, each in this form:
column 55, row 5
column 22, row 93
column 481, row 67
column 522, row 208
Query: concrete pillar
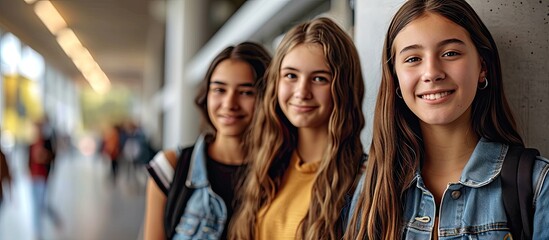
column 151, row 101
column 184, row 35
column 341, row 11
column 520, row 31
column 372, row 19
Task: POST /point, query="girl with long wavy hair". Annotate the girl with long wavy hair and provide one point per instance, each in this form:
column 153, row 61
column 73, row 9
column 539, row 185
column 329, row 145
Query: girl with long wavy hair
column 305, row 141
column 442, row 128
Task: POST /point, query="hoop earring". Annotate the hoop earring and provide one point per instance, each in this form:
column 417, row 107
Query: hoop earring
column 485, row 84
column 398, row 93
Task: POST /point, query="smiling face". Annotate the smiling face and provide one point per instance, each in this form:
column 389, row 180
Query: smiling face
column 231, row 97
column 438, row 69
column 304, row 87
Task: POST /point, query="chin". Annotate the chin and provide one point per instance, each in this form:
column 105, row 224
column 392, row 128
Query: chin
column 438, row 122
column 230, row 133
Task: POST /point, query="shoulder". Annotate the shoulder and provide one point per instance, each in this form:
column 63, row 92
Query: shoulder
column 182, row 159
column 165, row 157
column 540, row 175
column 541, row 194
column 354, row 201
column 161, row 169
column 185, row 149
column 541, row 167
column 541, row 160
column 170, row 156
column 358, row 190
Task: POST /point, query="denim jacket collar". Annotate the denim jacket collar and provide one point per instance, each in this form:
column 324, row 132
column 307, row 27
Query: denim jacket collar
column 482, row 168
column 198, row 176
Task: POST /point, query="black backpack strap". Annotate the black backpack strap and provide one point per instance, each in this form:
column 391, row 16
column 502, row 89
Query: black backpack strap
column 510, row 189
column 516, row 180
column 178, row 194
column 526, row 192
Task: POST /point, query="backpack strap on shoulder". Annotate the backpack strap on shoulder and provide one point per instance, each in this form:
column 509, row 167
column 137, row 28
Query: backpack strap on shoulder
column 178, row 194
column 516, row 181
column 526, row 192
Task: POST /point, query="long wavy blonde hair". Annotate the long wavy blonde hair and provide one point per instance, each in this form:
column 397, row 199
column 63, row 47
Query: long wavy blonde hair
column 274, row 138
column 397, row 145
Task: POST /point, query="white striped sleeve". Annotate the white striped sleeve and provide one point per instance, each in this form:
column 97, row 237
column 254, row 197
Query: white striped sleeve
column 161, row 171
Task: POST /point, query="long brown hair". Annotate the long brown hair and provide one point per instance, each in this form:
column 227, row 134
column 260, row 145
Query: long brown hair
column 274, row 138
column 397, row 145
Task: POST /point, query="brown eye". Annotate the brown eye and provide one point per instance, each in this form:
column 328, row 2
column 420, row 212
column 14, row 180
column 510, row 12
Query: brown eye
column 247, row 93
column 450, row 54
column 217, row 90
column 290, row 76
column 320, row 79
column 411, row 59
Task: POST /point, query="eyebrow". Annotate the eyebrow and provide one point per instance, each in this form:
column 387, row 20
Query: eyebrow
column 316, row 71
column 442, row 43
column 224, row 84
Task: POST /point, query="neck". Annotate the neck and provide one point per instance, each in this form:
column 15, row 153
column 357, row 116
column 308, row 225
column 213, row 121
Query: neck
column 447, row 148
column 227, row 150
column 311, row 144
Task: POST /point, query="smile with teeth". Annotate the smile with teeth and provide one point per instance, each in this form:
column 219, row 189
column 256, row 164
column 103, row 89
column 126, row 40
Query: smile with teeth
column 435, row 96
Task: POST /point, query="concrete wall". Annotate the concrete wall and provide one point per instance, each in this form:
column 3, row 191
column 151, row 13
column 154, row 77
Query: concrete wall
column 521, row 30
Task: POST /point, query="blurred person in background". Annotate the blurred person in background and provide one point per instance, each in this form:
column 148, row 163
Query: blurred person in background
column 190, row 195
column 135, row 149
column 42, row 154
column 110, row 147
column 5, row 175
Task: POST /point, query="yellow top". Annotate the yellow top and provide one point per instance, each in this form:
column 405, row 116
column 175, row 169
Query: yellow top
column 280, row 219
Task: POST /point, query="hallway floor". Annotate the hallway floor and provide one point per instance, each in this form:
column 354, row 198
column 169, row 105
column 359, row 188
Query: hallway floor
column 83, row 201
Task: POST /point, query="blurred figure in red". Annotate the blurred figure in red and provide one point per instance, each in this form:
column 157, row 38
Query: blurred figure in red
column 5, row 175
column 111, row 147
column 41, row 160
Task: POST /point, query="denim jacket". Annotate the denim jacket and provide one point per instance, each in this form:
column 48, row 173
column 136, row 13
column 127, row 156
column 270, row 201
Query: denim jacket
column 205, row 213
column 473, row 207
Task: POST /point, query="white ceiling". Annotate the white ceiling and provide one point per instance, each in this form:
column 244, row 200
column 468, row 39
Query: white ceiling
column 120, row 33
column 114, row 31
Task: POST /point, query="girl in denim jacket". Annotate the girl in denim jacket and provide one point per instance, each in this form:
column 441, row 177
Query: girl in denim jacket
column 306, row 149
column 227, row 98
column 442, row 128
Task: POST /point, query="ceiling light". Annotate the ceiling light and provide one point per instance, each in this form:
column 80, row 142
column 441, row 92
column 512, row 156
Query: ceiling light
column 84, row 61
column 69, row 42
column 72, row 46
column 49, row 16
column 98, row 81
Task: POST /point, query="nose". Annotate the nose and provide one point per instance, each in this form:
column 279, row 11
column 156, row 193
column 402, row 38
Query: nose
column 231, row 100
column 433, row 70
column 303, row 89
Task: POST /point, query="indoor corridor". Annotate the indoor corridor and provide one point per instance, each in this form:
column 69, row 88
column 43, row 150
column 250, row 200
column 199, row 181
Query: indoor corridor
column 82, row 200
